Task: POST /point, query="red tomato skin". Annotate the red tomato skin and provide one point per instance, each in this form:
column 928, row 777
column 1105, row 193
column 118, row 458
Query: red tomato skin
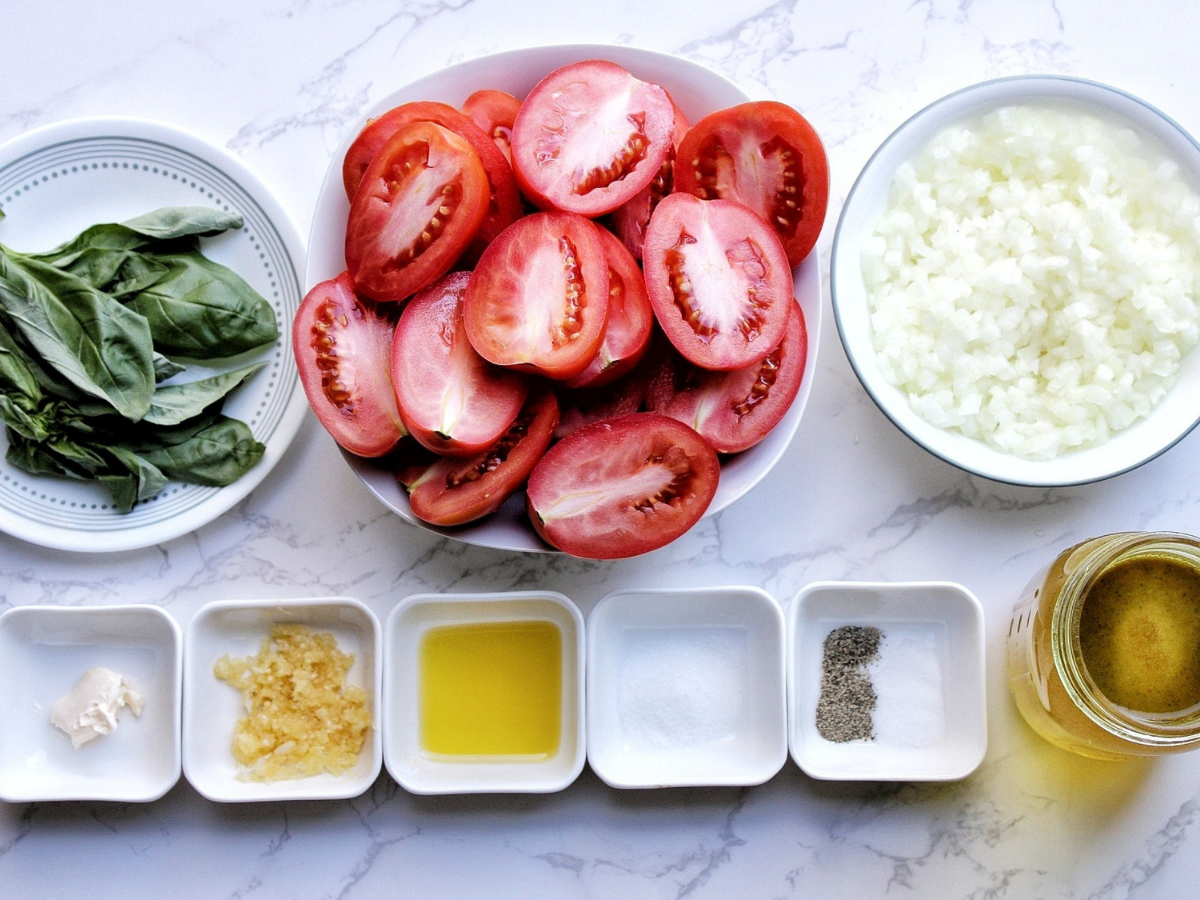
column 583, row 407
column 555, row 139
column 630, row 319
column 520, row 269
column 629, row 220
column 341, row 344
column 746, row 252
column 450, row 400
column 494, row 112
column 582, row 500
column 456, row 491
column 767, row 156
column 735, row 410
column 504, row 200
column 393, row 248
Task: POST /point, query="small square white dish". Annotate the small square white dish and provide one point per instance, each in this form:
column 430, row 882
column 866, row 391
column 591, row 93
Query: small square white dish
column 211, row 707
column 420, row 771
column 43, row 652
column 686, row 687
column 930, row 715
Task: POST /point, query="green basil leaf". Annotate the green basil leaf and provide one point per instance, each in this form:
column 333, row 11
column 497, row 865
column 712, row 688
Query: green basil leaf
column 122, row 488
column 33, row 457
column 165, row 368
column 98, row 268
column 202, row 310
column 16, row 377
column 108, row 237
column 164, row 224
column 216, row 455
column 94, row 342
column 137, row 273
column 49, row 381
column 124, row 474
column 23, row 418
column 179, row 221
column 176, row 403
column 148, row 478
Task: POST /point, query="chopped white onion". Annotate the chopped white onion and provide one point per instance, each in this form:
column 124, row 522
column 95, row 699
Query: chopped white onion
column 1033, row 282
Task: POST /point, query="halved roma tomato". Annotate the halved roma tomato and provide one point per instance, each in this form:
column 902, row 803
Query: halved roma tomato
column 342, row 346
column 583, row 407
column 733, row 411
column 718, row 280
column 420, row 203
column 622, row 486
column 630, row 318
column 455, row 491
column 590, row 136
column 504, row 200
column 538, row 299
column 629, row 220
column 451, row 400
column 763, row 154
column 494, row 112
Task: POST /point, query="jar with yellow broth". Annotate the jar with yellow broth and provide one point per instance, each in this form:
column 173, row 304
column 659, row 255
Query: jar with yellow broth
column 1104, row 647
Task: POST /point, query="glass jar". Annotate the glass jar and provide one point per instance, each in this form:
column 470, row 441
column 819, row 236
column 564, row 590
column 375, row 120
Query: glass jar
column 1047, row 673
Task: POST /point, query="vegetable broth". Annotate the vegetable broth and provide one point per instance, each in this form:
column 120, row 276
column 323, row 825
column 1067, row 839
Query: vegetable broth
column 1140, row 634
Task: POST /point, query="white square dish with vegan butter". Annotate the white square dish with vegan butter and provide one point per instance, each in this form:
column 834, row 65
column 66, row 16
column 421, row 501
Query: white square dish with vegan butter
column 92, row 706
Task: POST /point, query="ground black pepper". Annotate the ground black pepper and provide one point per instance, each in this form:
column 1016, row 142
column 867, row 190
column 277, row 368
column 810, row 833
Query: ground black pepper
column 847, row 697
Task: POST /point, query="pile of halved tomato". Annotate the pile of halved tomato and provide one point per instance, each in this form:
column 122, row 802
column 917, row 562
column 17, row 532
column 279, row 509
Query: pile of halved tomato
column 577, row 294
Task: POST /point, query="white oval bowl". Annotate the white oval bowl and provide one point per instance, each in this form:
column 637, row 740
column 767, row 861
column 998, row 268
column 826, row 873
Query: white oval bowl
column 697, row 91
column 1169, row 422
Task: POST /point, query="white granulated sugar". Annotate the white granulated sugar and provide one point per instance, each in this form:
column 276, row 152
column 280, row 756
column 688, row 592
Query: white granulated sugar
column 681, row 687
column 1034, row 281
column 907, row 676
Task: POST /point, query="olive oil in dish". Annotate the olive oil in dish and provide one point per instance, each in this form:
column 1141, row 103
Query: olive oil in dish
column 491, row 689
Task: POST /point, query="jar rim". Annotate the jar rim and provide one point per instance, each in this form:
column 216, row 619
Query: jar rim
column 1167, row 730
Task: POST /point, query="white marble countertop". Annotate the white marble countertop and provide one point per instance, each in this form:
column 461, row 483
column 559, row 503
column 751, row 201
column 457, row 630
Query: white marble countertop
column 277, row 82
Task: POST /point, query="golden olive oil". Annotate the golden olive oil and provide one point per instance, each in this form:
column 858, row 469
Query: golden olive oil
column 491, row 689
column 1139, row 633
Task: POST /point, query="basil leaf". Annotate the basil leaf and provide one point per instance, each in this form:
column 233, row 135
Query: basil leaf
column 137, row 273
column 87, row 337
column 163, row 224
column 147, row 478
column 24, row 418
column 48, row 380
column 176, row 403
column 216, row 455
column 125, row 475
column 122, row 488
column 178, row 221
column 16, row 377
column 165, row 368
column 59, row 455
column 97, row 267
column 97, row 239
column 33, row 457
column 200, row 309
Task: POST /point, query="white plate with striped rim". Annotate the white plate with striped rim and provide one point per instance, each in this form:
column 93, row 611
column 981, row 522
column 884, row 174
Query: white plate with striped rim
column 58, row 180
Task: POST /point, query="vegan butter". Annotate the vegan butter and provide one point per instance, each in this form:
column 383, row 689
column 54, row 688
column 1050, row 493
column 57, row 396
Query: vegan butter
column 93, row 705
